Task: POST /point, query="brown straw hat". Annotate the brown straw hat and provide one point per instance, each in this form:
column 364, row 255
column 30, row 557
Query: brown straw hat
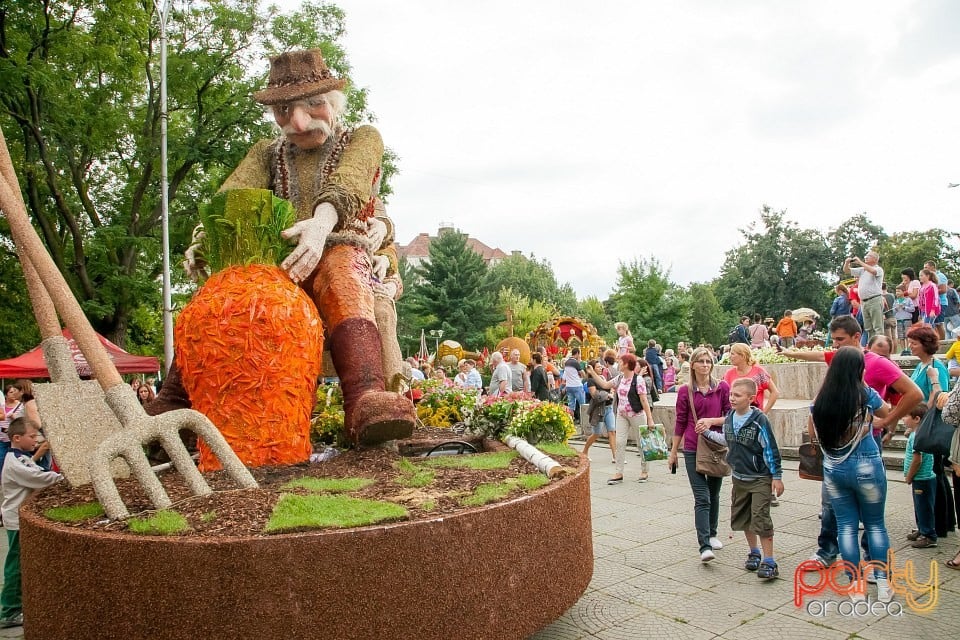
column 295, row 75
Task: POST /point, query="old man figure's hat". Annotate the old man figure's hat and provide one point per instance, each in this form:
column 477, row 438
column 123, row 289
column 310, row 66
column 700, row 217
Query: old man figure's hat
column 296, row 75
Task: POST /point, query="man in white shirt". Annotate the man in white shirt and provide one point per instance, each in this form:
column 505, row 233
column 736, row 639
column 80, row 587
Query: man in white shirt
column 500, row 380
column 869, row 276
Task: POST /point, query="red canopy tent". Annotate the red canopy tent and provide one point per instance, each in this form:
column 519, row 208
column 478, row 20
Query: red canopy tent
column 31, row 364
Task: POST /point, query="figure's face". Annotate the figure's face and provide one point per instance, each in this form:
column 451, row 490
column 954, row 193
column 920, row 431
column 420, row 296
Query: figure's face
column 735, row 358
column 13, row 394
column 143, row 392
column 515, row 356
column 306, row 123
column 870, row 259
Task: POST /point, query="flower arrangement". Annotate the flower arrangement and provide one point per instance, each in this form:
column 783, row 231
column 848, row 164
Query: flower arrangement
column 326, row 424
column 520, row 414
column 770, row 355
column 443, row 406
column 542, row 422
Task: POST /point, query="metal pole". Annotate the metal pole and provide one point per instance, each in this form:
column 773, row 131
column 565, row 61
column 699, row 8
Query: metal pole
column 164, row 10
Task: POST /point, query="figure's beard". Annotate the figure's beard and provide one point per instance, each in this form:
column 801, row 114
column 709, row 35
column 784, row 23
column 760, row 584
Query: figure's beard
column 315, row 124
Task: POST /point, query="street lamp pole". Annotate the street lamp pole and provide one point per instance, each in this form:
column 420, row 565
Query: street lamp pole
column 163, row 9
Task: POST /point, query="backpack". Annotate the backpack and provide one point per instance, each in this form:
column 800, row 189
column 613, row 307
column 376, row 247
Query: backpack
column 737, row 335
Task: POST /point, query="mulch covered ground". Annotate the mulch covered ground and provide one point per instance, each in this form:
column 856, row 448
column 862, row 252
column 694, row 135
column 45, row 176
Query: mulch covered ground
column 233, row 512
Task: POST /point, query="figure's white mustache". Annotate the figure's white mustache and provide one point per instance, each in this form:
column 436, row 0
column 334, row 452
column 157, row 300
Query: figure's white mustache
column 314, row 125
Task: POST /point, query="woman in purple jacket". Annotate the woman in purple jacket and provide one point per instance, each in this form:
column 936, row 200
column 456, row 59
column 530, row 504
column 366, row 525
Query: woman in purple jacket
column 711, row 402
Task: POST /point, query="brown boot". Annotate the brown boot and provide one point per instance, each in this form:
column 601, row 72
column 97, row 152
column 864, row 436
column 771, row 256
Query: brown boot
column 371, row 414
column 171, row 396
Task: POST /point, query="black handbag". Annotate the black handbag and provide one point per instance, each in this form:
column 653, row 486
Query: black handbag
column 811, row 461
column 933, row 435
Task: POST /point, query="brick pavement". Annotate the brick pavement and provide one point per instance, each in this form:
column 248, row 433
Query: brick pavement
column 648, row 580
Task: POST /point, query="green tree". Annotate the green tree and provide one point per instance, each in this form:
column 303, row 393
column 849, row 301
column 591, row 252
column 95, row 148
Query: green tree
column 527, row 314
column 409, row 322
column 531, row 278
column 18, row 332
column 854, row 237
column 709, row 323
column 452, row 294
column 779, row 266
column 593, row 311
column 80, row 107
column 653, row 306
column 913, row 248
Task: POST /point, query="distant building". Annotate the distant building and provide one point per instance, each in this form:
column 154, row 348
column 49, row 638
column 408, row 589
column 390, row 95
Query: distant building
column 418, row 251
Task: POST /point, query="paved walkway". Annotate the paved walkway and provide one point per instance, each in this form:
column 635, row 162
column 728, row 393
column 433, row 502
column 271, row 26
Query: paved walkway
column 648, row 580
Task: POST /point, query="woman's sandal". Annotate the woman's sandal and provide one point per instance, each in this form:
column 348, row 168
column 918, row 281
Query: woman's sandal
column 955, row 563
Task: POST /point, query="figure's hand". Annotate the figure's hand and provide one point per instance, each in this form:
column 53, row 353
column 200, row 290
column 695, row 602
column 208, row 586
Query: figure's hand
column 671, row 459
column 777, row 487
column 311, row 237
column 42, row 449
column 379, row 266
column 376, row 231
column 194, row 263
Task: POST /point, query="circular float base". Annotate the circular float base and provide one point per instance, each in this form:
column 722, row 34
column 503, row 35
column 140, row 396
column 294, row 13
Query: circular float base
column 501, row 571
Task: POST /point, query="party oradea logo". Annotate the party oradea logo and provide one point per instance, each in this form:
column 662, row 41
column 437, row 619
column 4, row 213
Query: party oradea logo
column 848, row 581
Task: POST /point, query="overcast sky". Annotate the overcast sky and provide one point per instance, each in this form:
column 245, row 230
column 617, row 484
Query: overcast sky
column 590, row 134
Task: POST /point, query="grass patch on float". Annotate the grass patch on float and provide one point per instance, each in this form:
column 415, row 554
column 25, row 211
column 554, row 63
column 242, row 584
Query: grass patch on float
column 493, row 491
column 412, row 475
column 208, row 517
column 325, row 511
column 328, row 485
column 476, row 461
column 75, row 513
column 557, row 449
column 162, row 523
column 531, row 481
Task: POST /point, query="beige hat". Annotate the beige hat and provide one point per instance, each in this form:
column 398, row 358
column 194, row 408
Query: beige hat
column 295, row 75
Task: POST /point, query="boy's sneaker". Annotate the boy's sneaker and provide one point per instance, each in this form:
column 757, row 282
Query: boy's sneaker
column 768, row 571
column 16, row 620
column 707, row 555
column 818, row 559
column 870, row 576
column 923, row 542
column 913, row 535
column 884, row 592
column 715, row 543
column 774, row 502
column 753, row 561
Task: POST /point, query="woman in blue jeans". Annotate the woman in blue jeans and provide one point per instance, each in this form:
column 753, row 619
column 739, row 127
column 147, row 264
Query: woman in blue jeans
column 710, row 404
column 854, row 478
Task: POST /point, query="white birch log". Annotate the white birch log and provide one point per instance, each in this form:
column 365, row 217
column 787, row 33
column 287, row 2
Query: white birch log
column 544, row 463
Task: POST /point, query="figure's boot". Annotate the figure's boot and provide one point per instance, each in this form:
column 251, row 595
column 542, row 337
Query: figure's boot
column 171, row 396
column 371, row 414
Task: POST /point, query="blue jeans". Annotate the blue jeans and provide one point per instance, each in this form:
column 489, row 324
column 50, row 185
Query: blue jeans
column 924, row 499
column 609, row 420
column 706, row 500
column 575, row 396
column 857, row 489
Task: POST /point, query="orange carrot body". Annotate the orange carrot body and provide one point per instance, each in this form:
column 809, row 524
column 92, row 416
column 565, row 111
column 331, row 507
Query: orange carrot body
column 249, row 347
